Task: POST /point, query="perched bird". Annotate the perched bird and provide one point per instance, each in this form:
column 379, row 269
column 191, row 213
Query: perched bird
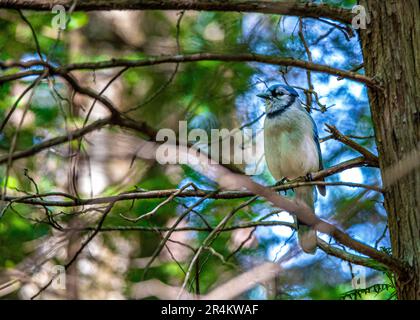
column 291, row 147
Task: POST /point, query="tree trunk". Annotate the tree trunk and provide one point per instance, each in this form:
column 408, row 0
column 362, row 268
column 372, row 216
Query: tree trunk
column 391, row 50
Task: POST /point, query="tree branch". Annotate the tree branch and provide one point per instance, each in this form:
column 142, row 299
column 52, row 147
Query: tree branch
column 56, row 141
column 240, row 57
column 292, row 8
column 243, row 57
column 337, row 135
column 160, row 194
column 353, row 258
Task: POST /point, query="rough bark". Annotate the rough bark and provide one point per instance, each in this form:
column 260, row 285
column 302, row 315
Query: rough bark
column 391, row 49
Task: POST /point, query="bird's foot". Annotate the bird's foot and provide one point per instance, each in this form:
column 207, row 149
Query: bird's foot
column 309, row 177
column 283, row 181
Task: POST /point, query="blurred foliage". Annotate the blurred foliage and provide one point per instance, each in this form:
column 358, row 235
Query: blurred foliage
column 209, row 94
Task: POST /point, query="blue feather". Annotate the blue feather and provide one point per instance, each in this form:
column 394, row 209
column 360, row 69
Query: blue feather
column 321, row 189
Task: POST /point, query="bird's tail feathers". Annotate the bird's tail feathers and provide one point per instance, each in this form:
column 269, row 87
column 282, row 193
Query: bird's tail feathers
column 306, row 235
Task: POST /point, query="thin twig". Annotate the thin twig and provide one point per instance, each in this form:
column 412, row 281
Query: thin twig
column 84, row 244
column 169, row 233
column 337, row 135
column 160, row 205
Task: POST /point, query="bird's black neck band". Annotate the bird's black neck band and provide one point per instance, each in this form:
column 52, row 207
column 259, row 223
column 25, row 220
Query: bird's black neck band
column 277, row 112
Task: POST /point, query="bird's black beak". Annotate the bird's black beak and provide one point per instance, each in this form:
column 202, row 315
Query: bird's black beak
column 263, row 95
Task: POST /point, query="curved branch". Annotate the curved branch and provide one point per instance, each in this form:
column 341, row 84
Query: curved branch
column 244, row 57
column 241, row 57
column 56, row 141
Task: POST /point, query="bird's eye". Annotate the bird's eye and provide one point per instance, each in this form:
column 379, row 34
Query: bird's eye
column 276, row 93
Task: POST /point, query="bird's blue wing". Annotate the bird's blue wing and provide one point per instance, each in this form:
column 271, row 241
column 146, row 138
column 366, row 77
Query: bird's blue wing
column 322, row 189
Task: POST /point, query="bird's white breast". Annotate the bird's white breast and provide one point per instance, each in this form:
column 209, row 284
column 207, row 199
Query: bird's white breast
column 290, row 150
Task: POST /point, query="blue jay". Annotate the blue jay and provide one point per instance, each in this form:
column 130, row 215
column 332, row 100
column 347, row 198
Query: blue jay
column 291, row 147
